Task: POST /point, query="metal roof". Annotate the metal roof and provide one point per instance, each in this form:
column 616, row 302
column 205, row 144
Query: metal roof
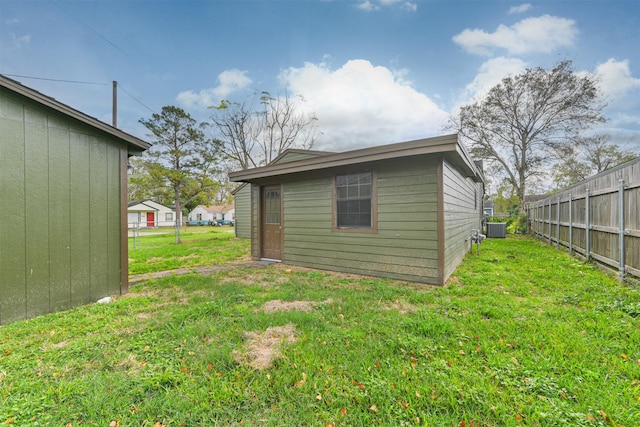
column 134, row 144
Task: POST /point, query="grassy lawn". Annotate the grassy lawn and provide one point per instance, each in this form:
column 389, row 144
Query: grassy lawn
column 156, row 250
column 523, row 335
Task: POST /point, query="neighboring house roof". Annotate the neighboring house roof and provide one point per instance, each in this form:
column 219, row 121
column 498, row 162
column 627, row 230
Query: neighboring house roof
column 487, row 204
column 447, row 145
column 134, row 145
column 217, row 208
column 146, row 205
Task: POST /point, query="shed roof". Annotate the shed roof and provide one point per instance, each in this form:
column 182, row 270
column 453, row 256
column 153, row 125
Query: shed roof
column 447, row 145
column 134, row 144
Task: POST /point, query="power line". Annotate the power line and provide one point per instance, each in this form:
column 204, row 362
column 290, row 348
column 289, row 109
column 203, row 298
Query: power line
column 135, row 99
column 82, row 82
column 89, row 28
column 57, row 80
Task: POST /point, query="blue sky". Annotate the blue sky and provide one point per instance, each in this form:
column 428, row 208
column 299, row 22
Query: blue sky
column 372, row 71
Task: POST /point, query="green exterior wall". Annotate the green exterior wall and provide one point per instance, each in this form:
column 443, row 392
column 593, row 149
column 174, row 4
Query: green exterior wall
column 242, row 200
column 404, row 246
column 60, row 237
column 462, row 213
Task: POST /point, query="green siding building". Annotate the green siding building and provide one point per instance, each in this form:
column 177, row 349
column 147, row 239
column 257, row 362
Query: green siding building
column 63, row 200
column 404, row 211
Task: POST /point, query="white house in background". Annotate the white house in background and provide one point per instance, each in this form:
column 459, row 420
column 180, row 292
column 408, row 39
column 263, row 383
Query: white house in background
column 147, row 213
column 224, row 214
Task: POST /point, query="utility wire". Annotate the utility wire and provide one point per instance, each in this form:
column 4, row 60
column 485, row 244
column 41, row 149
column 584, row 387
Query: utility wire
column 86, row 83
column 89, row 28
column 135, row 99
column 57, row 80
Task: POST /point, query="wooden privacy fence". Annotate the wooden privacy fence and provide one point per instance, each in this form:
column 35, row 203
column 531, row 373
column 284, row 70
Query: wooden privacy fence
column 596, row 219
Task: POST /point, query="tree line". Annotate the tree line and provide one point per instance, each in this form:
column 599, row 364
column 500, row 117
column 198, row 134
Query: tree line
column 532, row 130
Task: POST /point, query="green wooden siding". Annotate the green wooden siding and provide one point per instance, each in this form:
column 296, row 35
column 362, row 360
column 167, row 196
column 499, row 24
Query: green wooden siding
column 404, row 246
column 462, row 202
column 243, row 212
column 60, row 193
column 255, row 221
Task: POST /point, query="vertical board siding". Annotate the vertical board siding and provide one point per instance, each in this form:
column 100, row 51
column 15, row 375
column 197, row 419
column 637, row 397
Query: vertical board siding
column 404, row 246
column 60, row 191
column 462, row 204
column 243, row 212
column 80, row 219
column 604, row 218
column 37, row 212
column 98, row 225
column 59, row 215
column 13, row 299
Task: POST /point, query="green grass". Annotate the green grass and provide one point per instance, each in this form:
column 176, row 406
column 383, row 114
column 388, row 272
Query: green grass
column 200, row 246
column 523, row 335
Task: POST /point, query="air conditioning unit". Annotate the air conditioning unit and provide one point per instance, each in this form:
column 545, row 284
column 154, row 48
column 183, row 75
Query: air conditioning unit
column 497, row 230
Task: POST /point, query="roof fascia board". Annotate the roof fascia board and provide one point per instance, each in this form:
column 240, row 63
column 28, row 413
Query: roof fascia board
column 441, row 144
column 134, row 144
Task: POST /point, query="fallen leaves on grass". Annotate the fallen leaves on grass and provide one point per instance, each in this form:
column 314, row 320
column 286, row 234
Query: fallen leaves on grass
column 262, row 348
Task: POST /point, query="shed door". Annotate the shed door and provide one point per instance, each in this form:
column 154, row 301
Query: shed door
column 271, row 222
column 150, row 219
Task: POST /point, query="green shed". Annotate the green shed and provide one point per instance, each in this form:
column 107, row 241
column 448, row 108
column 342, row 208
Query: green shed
column 405, row 211
column 63, row 204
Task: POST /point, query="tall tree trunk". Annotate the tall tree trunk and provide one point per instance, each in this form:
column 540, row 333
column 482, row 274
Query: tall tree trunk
column 178, row 216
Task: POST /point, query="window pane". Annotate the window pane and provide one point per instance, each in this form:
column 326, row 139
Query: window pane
column 365, row 178
column 355, row 213
column 353, row 200
column 272, row 207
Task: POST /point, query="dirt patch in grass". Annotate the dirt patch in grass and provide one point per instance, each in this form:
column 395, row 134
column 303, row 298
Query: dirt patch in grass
column 130, row 364
column 400, row 306
column 190, row 256
column 306, row 306
column 257, row 279
column 261, row 349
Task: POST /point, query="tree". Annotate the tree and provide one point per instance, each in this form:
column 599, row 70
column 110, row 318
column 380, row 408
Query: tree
column 142, row 186
column 589, row 156
column 181, row 158
column 253, row 137
column 525, row 118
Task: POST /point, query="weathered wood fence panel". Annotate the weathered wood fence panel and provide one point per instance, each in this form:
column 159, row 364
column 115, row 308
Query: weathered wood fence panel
column 597, row 219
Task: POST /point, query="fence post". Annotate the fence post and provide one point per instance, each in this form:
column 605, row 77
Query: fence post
column 587, row 225
column 550, row 241
column 558, row 225
column 622, row 227
column 570, row 224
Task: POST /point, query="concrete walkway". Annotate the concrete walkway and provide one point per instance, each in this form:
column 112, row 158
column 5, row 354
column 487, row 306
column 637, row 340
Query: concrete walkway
column 138, row 278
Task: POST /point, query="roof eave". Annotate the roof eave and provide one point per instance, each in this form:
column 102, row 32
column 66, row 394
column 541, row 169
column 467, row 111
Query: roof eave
column 135, row 146
column 440, row 144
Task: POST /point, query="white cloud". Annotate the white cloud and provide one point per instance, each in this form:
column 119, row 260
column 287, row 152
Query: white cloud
column 367, row 6
column 375, row 5
column 229, row 81
column 615, row 79
column 490, row 74
column 542, row 34
column 409, row 7
column 361, row 105
column 519, row 9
